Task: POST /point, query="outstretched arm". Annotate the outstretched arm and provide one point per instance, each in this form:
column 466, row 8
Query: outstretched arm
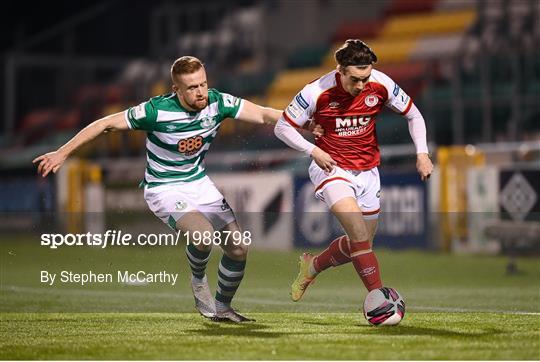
column 417, row 129
column 53, row 160
column 254, row 113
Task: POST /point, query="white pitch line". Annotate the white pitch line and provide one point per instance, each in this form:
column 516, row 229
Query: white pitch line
column 354, row 306
column 472, row 310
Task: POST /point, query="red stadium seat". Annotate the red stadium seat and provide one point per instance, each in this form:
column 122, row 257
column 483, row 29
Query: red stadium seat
column 400, row 7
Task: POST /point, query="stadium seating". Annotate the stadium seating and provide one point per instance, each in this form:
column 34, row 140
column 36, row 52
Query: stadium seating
column 407, row 7
column 416, row 42
column 405, row 36
column 288, row 82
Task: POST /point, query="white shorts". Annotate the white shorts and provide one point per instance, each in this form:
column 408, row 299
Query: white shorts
column 170, row 202
column 365, row 184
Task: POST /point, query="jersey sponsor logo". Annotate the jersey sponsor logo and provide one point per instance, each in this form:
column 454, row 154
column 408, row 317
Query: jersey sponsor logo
column 139, row 112
column 351, row 126
column 333, row 105
column 301, row 101
column 353, row 121
column 208, row 122
column 190, row 146
column 371, row 100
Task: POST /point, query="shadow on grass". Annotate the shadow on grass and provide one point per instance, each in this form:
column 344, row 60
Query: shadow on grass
column 247, row 329
column 422, row 331
column 256, row 330
column 323, row 323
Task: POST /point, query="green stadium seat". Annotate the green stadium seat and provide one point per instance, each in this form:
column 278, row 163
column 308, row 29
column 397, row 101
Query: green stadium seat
column 307, row 57
column 247, row 83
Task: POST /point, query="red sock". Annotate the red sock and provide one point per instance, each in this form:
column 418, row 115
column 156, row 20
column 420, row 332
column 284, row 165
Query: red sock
column 336, row 254
column 366, row 264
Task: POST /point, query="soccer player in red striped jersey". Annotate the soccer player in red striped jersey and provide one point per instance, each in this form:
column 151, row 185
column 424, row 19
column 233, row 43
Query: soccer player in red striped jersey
column 346, row 103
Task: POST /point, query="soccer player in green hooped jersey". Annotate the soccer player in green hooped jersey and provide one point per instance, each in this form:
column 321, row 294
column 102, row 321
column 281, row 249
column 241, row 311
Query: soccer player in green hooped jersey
column 180, row 128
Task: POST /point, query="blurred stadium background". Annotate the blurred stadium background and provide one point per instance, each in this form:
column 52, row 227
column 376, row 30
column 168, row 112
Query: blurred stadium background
column 473, row 67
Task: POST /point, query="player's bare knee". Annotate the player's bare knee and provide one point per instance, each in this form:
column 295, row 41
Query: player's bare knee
column 355, row 227
column 238, row 252
column 202, row 247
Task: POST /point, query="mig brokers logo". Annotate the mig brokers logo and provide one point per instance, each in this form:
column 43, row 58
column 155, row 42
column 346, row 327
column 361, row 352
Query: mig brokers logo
column 352, row 126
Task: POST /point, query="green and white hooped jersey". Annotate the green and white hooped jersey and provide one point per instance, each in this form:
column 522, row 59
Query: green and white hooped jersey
column 178, row 139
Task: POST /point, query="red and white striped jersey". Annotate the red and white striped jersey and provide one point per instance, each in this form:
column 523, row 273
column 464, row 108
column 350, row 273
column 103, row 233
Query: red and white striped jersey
column 349, row 122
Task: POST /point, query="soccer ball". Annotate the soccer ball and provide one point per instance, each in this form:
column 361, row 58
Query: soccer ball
column 384, row 306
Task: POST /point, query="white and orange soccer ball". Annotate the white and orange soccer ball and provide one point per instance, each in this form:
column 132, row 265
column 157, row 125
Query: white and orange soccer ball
column 384, row 306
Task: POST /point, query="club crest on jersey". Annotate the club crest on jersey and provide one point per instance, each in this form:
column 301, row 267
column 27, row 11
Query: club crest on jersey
column 371, row 100
column 180, row 205
column 208, row 122
column 334, row 105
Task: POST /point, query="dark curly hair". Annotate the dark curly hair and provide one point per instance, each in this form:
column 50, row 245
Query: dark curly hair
column 356, row 53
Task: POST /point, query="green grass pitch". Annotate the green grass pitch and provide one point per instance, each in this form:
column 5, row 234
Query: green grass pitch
column 458, row 307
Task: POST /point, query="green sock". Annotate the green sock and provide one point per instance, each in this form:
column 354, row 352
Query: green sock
column 197, row 260
column 230, row 275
